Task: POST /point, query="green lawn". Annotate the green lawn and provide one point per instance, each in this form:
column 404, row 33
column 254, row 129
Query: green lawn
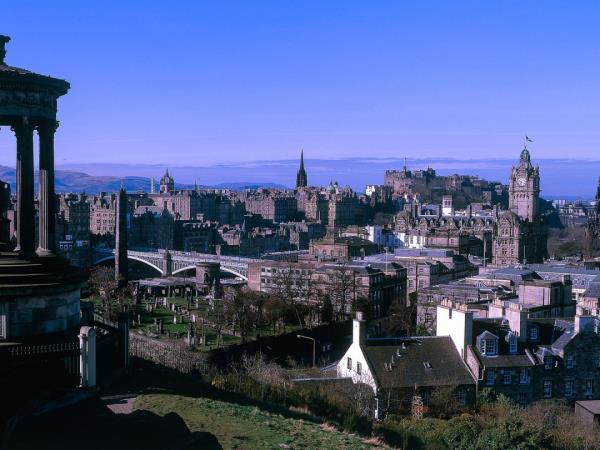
column 248, row 427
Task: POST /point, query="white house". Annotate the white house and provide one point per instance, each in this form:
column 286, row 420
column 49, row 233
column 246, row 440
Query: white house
column 396, row 369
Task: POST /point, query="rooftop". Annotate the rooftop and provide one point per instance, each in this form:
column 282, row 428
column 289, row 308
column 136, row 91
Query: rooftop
column 423, row 361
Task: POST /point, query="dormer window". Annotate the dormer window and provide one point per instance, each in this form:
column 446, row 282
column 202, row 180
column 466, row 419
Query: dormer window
column 488, row 346
column 491, row 346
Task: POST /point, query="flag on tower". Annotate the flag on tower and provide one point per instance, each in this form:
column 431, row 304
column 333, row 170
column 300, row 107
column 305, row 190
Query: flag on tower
column 527, row 139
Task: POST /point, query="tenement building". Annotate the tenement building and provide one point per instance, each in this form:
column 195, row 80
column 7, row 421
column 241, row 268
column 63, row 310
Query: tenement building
column 527, row 358
column 310, row 281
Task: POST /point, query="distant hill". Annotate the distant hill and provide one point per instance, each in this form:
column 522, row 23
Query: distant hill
column 73, row 181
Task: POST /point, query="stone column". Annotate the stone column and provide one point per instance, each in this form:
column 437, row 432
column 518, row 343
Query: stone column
column 47, row 225
column 87, row 356
column 25, row 207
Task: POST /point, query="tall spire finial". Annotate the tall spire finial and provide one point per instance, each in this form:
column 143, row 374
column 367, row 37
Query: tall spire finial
column 302, row 159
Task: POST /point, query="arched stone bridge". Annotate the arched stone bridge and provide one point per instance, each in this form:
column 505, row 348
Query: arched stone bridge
column 174, row 262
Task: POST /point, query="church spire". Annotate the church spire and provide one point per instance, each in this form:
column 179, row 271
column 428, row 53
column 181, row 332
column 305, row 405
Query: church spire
column 301, row 178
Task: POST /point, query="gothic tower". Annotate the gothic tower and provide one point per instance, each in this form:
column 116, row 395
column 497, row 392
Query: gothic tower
column 167, row 184
column 524, row 188
column 301, row 179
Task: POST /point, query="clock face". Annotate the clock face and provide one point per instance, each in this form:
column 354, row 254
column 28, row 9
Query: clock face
column 521, row 181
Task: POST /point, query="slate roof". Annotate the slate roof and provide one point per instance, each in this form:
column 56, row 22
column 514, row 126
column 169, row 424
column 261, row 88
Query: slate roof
column 593, row 290
column 424, row 361
column 487, row 335
column 521, row 360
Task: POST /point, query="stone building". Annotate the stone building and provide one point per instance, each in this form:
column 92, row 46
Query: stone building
column 430, row 267
column 103, row 214
column 527, row 358
column 310, row 281
column 503, row 237
column 277, row 206
column 316, row 206
column 73, row 229
column 342, row 248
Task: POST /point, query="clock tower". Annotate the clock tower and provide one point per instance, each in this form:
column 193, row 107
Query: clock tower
column 524, row 188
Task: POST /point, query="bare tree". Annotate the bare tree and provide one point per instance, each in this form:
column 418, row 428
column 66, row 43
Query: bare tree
column 342, row 282
column 102, row 283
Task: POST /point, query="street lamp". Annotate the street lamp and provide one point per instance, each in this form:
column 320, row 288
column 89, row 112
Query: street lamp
column 300, row 336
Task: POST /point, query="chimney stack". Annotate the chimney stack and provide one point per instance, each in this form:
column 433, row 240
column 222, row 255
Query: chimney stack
column 359, row 329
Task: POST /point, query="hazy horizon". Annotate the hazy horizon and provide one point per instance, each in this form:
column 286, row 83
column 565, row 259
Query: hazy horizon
column 567, row 178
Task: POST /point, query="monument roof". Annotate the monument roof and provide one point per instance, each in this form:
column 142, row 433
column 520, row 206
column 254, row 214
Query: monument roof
column 24, row 76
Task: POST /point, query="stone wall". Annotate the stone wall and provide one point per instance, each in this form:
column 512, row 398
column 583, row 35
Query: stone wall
column 42, row 311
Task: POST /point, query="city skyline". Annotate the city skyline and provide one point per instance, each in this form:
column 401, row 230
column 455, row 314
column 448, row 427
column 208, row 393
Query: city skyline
column 395, row 81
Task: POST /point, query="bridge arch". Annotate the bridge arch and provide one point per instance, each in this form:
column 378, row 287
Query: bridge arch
column 135, row 258
column 223, row 269
column 237, row 274
column 183, row 269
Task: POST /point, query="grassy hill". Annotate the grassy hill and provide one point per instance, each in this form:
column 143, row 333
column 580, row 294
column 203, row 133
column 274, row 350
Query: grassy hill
column 248, row 427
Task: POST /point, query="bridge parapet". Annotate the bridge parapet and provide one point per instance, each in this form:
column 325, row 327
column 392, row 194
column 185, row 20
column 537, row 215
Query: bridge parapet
column 181, row 261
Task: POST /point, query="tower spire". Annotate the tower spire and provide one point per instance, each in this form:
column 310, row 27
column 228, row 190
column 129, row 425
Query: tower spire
column 301, row 178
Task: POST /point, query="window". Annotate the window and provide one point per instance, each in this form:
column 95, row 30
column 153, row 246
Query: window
column 533, row 334
column 589, row 387
column 507, row 376
column 512, row 342
column 349, row 363
column 569, row 362
column 547, row 389
column 358, row 368
column 488, row 346
column 490, row 377
column 548, row 362
column 524, row 376
column 568, row 388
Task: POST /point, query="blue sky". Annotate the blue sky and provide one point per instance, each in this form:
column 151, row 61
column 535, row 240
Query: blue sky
column 205, row 83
